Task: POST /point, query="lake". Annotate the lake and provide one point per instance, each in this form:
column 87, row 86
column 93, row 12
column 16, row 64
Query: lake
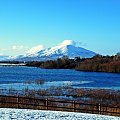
column 16, row 77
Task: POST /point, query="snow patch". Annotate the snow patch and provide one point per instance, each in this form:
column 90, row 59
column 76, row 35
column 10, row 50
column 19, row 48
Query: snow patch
column 25, row 114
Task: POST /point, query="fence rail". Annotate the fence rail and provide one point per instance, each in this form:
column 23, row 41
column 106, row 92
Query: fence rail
column 53, row 104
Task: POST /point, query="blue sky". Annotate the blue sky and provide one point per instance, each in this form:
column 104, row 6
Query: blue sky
column 27, row 23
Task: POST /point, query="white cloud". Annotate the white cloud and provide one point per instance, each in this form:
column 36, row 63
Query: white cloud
column 68, row 42
column 35, row 49
column 17, row 47
column 3, row 49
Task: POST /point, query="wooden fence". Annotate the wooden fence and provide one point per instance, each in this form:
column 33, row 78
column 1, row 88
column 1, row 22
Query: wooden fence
column 53, row 104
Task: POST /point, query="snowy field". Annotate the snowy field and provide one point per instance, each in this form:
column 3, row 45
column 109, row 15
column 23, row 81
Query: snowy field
column 24, row 114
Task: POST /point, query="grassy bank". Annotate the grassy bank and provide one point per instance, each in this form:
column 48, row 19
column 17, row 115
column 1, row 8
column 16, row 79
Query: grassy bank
column 102, row 96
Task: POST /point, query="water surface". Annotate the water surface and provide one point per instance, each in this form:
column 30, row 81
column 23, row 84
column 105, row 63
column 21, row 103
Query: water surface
column 16, row 76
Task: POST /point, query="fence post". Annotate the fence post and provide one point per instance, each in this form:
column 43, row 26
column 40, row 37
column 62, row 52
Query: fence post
column 99, row 108
column 73, row 106
column 46, row 104
column 17, row 101
column 34, row 102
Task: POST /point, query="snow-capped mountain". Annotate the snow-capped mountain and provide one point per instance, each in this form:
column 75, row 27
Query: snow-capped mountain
column 3, row 57
column 66, row 48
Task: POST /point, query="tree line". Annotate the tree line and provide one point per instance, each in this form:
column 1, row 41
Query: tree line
column 98, row 63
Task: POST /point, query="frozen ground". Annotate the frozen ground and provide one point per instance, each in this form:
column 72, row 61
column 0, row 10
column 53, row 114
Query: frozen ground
column 24, row 114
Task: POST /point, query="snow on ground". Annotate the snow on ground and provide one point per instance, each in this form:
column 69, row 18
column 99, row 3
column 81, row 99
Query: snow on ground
column 25, row 114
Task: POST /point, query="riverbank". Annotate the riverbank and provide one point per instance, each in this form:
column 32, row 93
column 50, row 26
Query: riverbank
column 97, row 63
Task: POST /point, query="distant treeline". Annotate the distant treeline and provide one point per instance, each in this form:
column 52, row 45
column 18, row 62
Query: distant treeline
column 60, row 63
column 97, row 63
column 100, row 64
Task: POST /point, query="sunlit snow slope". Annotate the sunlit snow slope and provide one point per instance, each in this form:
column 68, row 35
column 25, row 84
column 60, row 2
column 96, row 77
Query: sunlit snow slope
column 66, row 48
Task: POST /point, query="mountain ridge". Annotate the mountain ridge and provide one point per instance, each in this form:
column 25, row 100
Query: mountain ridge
column 66, row 48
